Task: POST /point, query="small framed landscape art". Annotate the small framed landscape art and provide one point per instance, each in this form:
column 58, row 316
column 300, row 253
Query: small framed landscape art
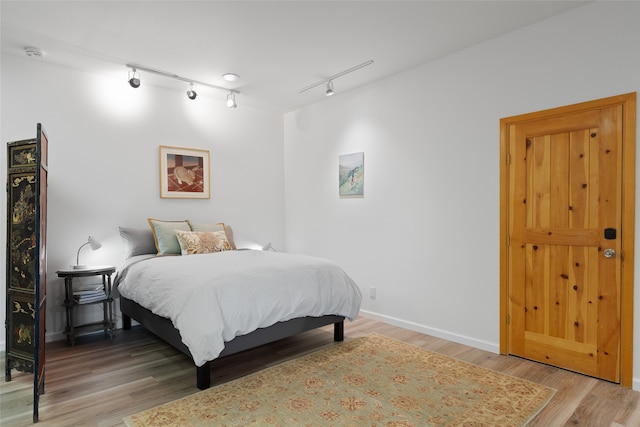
column 184, row 173
column 351, row 174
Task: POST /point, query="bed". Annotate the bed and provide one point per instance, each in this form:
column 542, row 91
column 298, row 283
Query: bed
column 216, row 303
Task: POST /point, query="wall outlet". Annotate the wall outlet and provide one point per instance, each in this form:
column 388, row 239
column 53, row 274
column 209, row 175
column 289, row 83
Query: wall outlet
column 372, row 292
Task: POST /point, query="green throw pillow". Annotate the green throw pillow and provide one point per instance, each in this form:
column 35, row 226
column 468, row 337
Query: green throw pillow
column 164, row 234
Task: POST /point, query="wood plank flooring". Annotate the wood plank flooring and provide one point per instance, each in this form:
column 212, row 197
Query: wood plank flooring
column 99, row 381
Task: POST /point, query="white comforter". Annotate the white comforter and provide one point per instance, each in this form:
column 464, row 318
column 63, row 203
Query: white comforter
column 213, row 298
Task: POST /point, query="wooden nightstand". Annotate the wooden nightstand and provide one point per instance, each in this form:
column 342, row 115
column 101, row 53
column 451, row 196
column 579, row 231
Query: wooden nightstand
column 96, row 294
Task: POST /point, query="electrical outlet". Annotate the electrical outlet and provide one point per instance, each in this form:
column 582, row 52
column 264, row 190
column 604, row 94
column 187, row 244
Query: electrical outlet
column 372, row 292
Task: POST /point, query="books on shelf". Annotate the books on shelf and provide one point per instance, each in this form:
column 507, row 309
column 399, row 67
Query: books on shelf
column 86, row 293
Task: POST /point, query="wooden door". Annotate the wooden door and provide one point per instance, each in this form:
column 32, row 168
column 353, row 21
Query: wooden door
column 564, row 251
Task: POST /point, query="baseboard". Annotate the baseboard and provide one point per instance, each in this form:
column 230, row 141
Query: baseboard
column 55, row 336
column 435, row 332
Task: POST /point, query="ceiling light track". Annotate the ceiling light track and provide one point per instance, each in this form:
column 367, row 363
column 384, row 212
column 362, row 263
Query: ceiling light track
column 135, row 67
column 329, row 80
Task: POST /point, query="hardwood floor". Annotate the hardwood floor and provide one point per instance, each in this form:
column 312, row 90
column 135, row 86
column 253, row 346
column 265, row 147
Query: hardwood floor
column 99, row 381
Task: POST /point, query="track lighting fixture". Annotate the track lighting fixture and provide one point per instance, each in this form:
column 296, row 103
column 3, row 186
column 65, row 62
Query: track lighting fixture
column 329, row 91
column 191, row 94
column 134, row 78
column 329, row 80
column 231, row 100
column 134, row 81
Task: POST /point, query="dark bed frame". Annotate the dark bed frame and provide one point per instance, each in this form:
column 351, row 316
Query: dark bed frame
column 163, row 328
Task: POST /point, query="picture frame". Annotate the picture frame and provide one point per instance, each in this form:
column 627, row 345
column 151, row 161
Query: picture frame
column 351, row 175
column 184, row 173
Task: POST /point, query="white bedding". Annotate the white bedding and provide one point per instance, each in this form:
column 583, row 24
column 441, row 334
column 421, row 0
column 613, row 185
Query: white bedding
column 212, row 298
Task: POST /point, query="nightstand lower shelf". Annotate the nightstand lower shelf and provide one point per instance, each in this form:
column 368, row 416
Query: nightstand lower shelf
column 107, row 325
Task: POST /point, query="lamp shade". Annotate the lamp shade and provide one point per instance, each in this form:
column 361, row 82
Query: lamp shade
column 95, row 245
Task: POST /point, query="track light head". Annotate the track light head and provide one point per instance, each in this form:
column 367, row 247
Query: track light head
column 134, row 82
column 191, row 94
column 231, row 100
column 329, row 91
column 134, row 78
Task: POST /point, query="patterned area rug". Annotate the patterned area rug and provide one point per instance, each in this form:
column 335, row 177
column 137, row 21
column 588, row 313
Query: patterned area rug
column 369, row 381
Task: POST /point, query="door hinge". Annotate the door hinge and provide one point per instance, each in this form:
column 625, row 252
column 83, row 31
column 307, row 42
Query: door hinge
column 508, row 159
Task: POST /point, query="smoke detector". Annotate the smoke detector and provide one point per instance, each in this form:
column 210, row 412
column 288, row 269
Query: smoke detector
column 33, row 52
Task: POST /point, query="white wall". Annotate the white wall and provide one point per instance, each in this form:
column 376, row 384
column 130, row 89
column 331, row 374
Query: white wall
column 104, row 161
column 426, row 232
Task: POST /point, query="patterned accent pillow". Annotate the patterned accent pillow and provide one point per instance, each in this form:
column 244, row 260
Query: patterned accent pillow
column 214, row 227
column 202, row 242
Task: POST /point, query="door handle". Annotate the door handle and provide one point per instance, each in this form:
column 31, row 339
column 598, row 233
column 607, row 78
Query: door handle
column 609, row 253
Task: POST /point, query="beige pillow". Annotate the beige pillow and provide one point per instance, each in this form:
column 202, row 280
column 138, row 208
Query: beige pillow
column 164, row 235
column 202, row 242
column 215, row 227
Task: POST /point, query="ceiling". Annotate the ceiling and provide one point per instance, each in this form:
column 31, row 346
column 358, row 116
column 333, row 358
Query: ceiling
column 276, row 47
